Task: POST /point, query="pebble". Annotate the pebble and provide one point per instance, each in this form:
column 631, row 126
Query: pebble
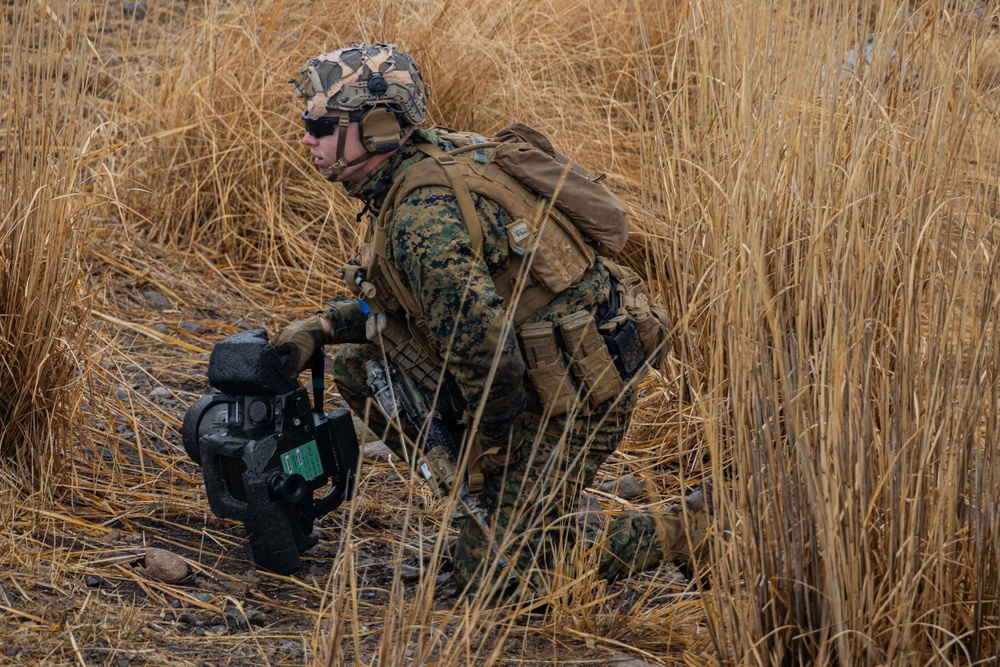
column 175, row 603
column 136, row 10
column 192, row 327
column 91, row 581
column 155, row 299
column 626, row 487
column 408, row 572
column 159, row 392
column 376, row 451
column 202, row 597
column 591, row 514
column 160, row 327
column 165, row 566
column 256, row 617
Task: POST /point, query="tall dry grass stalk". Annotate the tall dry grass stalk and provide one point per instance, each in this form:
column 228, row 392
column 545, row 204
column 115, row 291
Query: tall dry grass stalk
column 836, row 265
column 43, row 324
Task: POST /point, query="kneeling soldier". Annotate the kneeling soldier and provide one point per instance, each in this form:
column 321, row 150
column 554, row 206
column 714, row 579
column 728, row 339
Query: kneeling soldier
column 492, row 302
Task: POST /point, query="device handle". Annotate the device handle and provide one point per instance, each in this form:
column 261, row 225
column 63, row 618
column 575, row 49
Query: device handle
column 318, row 370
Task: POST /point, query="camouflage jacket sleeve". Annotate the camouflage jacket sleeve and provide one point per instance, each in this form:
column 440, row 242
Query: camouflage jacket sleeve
column 431, row 248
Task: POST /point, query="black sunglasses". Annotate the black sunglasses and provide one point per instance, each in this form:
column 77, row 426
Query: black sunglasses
column 321, row 127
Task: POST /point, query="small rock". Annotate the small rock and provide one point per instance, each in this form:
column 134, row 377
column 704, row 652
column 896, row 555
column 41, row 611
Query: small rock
column 175, row 603
column 186, row 618
column 157, row 300
column 202, row 597
column 91, row 581
column 136, row 10
column 113, row 536
column 250, row 576
column 159, row 392
column 626, row 487
column 165, row 566
column 256, row 617
column 160, row 327
column 192, row 327
column 246, row 326
column 591, row 513
column 408, row 572
column 376, row 451
column 218, row 630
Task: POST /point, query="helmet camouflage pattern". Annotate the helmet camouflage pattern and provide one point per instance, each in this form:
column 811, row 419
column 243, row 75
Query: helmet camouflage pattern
column 360, row 77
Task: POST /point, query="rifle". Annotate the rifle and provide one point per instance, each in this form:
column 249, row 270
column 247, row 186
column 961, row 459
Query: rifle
column 407, row 406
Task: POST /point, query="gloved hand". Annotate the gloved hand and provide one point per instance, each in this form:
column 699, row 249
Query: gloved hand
column 300, row 340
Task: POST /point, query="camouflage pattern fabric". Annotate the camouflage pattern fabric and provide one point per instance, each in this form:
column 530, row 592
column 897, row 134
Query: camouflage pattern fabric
column 339, row 80
column 532, row 504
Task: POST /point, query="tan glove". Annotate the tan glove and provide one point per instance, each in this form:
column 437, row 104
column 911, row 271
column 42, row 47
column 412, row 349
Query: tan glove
column 300, row 340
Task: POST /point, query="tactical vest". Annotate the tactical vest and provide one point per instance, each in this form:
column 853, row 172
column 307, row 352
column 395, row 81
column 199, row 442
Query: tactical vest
column 563, row 217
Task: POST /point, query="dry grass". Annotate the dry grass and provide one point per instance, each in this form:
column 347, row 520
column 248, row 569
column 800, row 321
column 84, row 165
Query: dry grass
column 825, row 239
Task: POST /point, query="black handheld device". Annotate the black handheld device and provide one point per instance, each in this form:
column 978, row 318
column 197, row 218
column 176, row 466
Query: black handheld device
column 264, row 450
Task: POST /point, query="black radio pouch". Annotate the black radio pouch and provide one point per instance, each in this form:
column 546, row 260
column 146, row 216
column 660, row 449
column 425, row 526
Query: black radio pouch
column 623, row 343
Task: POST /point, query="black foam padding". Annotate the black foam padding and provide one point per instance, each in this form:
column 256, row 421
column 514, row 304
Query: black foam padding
column 246, row 364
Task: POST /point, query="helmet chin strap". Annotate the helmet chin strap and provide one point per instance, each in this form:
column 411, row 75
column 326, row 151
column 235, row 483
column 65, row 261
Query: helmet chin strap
column 333, row 172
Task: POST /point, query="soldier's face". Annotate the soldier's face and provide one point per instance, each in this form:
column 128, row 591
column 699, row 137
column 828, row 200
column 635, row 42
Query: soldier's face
column 323, row 150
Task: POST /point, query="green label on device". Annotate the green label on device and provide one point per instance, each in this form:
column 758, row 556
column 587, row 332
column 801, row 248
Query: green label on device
column 303, row 460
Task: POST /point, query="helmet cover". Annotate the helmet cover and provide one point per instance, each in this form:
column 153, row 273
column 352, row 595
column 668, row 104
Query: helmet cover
column 360, row 77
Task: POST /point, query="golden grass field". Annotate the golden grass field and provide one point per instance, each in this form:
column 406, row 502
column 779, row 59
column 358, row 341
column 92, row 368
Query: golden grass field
column 824, row 236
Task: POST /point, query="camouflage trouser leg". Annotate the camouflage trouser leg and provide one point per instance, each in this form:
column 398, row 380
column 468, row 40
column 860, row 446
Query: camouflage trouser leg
column 533, row 509
column 533, row 504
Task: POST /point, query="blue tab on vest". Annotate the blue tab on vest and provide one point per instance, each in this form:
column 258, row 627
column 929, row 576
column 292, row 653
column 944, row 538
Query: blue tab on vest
column 479, row 155
column 364, row 308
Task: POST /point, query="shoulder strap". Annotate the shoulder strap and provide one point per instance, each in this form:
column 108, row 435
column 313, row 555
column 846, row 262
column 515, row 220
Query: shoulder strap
column 465, row 204
column 443, row 170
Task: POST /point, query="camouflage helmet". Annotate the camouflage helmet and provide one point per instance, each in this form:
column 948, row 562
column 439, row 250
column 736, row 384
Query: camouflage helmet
column 360, row 77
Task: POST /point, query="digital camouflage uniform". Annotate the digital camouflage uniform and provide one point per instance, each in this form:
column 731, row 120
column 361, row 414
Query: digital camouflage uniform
column 532, row 504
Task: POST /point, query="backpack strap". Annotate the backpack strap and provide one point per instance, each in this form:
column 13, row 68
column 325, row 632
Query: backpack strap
column 465, row 204
column 513, row 281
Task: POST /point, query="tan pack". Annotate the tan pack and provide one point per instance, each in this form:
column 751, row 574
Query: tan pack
column 562, row 217
column 562, row 214
column 528, row 156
